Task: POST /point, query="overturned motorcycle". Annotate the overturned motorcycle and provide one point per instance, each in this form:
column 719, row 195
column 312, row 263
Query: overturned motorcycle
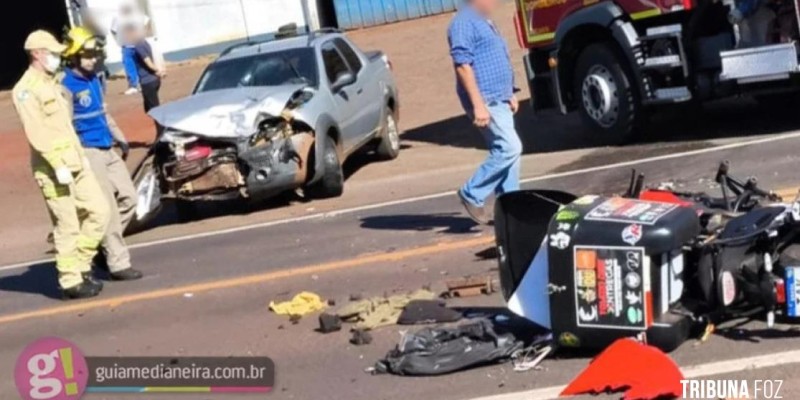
column 655, row 264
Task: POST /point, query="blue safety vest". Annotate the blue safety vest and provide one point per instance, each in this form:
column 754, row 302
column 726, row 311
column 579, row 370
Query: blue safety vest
column 89, row 114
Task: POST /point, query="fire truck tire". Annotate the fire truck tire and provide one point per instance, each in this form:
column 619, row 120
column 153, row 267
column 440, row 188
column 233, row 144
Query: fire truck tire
column 605, row 93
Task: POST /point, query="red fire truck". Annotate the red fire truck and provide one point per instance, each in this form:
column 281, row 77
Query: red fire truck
column 616, row 61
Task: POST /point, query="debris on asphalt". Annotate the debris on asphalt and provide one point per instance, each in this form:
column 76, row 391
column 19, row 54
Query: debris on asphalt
column 379, row 311
column 642, row 371
column 301, row 304
column 356, row 297
column 530, row 358
column 436, row 351
column 329, row 323
column 710, row 328
column 361, row 337
column 427, row 312
column 468, row 287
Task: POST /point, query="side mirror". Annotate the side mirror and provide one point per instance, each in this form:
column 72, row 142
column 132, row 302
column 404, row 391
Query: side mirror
column 342, row 80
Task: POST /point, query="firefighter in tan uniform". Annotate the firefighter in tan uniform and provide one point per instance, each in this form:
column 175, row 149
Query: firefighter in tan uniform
column 77, row 206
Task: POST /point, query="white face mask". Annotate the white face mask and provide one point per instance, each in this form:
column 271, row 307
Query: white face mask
column 52, row 62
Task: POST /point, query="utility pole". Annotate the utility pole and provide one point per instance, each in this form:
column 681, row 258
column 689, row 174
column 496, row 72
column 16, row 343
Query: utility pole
column 244, row 18
column 311, row 15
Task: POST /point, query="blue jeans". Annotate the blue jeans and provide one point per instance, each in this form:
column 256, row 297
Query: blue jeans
column 499, row 173
column 129, row 62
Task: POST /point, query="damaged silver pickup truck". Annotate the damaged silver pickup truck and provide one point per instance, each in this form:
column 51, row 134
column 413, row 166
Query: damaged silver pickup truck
column 269, row 117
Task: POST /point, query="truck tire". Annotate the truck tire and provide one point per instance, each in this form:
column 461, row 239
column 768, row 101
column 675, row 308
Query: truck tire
column 605, row 93
column 332, row 182
column 389, row 146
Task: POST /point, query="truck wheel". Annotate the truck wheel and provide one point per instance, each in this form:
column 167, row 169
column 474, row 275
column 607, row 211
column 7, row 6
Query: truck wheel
column 332, row 182
column 389, row 145
column 605, row 91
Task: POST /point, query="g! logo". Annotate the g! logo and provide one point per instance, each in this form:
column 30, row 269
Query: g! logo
column 51, row 369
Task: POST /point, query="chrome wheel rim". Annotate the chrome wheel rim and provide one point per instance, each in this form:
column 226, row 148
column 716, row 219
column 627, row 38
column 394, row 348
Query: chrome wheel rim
column 600, row 96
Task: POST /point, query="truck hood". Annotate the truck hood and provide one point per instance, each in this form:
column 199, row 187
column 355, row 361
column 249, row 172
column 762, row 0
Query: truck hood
column 226, row 113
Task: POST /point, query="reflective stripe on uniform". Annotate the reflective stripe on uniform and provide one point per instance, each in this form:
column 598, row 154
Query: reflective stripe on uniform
column 50, row 188
column 59, row 147
column 52, row 191
column 85, row 242
column 61, row 144
column 67, row 262
column 89, row 115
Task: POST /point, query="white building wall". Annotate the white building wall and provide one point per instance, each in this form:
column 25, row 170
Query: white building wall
column 188, row 26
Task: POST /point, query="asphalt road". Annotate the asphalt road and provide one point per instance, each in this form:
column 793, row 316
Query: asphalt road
column 208, row 295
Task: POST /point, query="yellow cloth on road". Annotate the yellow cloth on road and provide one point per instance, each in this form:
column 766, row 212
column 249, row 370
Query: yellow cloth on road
column 380, row 311
column 301, row 304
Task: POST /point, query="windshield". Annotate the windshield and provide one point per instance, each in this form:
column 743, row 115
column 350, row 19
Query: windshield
column 283, row 67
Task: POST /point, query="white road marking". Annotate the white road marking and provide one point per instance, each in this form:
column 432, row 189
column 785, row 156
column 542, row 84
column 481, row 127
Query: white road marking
column 692, row 372
column 367, row 207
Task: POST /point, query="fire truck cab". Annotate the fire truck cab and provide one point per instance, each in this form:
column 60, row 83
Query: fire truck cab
column 616, row 61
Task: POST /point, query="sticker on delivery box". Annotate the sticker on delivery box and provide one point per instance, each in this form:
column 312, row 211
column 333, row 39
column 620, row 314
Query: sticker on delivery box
column 793, row 291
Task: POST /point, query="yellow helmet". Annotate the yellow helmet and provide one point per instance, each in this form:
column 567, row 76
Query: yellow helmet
column 78, row 39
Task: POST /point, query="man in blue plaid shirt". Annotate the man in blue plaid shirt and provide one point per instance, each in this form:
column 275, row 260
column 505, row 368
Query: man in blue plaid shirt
column 485, row 86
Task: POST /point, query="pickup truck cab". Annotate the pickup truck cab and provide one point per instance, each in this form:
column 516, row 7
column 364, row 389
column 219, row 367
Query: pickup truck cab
column 267, row 117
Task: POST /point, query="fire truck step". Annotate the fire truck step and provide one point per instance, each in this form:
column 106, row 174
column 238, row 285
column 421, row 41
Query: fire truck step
column 759, row 63
column 666, row 62
column 670, row 95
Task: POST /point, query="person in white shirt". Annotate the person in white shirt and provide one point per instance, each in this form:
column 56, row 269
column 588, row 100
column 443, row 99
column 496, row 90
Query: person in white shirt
column 129, row 19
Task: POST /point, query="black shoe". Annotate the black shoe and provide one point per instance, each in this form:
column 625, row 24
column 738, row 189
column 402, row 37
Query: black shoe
column 94, row 283
column 129, row 274
column 83, row 291
column 89, row 277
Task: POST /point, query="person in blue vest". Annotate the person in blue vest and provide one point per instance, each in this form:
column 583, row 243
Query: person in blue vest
column 98, row 132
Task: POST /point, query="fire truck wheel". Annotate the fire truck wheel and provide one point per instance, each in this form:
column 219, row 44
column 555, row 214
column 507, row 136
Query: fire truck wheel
column 605, row 93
